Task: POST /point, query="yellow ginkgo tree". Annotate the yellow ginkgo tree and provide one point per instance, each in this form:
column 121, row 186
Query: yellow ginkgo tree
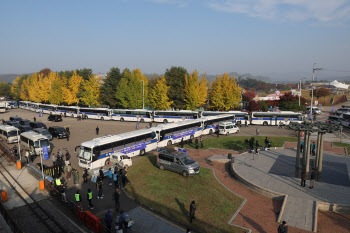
column 90, row 93
column 196, row 90
column 158, row 97
column 71, row 90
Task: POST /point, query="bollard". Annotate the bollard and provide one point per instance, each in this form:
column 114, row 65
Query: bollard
column 41, row 185
column 19, row 164
column 4, row 195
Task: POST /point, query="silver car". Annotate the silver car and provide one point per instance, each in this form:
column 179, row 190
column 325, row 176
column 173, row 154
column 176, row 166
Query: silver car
column 178, row 162
column 43, row 132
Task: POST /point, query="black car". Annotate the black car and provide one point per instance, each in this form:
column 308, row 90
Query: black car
column 18, row 119
column 25, row 128
column 58, row 132
column 24, row 122
column 13, row 123
column 35, row 125
column 55, row 118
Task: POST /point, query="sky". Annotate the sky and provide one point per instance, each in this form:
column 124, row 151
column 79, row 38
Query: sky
column 281, row 39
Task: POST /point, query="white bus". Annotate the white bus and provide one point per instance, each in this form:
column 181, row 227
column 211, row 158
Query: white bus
column 9, row 133
column 96, row 153
column 95, row 113
column 47, row 108
column 141, row 115
column 345, row 119
column 211, row 123
column 174, row 116
column 240, row 117
column 32, row 140
column 24, row 104
column 69, row 111
column 3, row 106
column 274, row 118
column 33, row 106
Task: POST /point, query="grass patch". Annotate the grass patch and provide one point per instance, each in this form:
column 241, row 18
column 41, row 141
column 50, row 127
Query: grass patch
column 238, row 142
column 171, row 194
column 345, row 145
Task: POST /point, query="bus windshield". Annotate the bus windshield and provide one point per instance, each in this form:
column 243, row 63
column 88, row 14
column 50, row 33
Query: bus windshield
column 12, row 134
column 85, row 153
column 44, row 142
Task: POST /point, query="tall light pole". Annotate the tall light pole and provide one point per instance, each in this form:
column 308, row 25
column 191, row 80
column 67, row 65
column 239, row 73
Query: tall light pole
column 143, row 94
column 312, row 88
column 300, row 89
column 19, row 145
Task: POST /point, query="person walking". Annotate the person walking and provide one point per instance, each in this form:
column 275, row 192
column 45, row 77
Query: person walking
column 89, row 198
column 67, row 155
column 313, row 148
column 115, row 179
column 257, row 147
column 269, row 142
column 108, row 220
column 201, row 141
column 283, row 228
column 67, row 134
column 34, row 118
column 60, row 163
column 280, row 125
column 182, row 143
column 312, row 178
column 110, row 176
column 101, row 173
column 62, row 190
column 97, row 130
column 245, row 123
column 77, row 197
column 68, row 169
column 192, row 210
column 100, row 189
column 303, row 178
column 257, row 131
column 266, row 142
column 301, row 146
column 54, row 159
column 85, row 175
column 116, row 196
column 76, row 177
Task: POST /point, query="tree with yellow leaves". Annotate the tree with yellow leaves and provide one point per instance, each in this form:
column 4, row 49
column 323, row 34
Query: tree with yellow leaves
column 216, row 94
column 23, row 94
column 196, row 92
column 70, row 92
column 90, row 93
column 34, row 91
column 158, row 97
column 16, row 88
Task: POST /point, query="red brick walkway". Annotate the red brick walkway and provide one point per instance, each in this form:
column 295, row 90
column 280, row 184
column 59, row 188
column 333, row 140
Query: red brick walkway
column 327, row 146
column 259, row 212
column 333, row 222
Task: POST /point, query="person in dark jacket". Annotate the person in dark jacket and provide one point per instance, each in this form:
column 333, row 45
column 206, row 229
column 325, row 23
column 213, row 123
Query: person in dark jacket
column 303, row 178
column 108, row 220
column 192, row 210
column 116, row 195
column 266, row 142
column 85, row 175
column 97, row 130
column 283, row 228
column 101, row 174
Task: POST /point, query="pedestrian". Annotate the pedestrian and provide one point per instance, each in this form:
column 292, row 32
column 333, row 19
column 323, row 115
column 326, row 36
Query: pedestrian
column 266, row 142
column 283, row 228
column 301, row 146
column 76, row 177
column 97, row 130
column 26, row 154
column 68, row 169
column 123, row 178
column 182, row 143
column 60, row 163
column 77, row 198
column 245, row 123
column 201, row 141
column 85, row 175
column 312, row 178
column 59, row 153
column 57, row 182
column 122, row 220
column 196, row 142
column 34, row 118
column 256, row 146
column 67, row 134
column 89, row 198
column 31, row 155
column 257, row 131
column 101, row 174
column 192, row 210
column 269, row 142
column 116, row 196
column 115, row 179
column 218, row 133
column 68, row 130
column 100, row 189
column 62, row 190
column 54, row 159
column 303, row 178
column 313, row 148
column 110, row 176
column 67, row 155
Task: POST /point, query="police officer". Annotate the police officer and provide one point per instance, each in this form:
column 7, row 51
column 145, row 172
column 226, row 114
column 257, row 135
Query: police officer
column 58, row 182
column 77, row 198
column 89, row 197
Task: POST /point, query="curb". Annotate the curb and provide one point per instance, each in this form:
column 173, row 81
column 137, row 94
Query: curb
column 314, row 224
column 282, row 208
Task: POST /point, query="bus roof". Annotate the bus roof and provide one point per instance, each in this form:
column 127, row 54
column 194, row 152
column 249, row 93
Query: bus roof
column 32, row 135
column 8, row 128
column 112, row 138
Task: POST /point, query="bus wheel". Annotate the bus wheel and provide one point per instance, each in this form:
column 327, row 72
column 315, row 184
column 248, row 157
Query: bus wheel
column 161, row 167
column 142, row 120
column 102, row 119
column 169, row 143
column 107, row 162
column 265, row 123
column 210, row 132
column 185, row 174
column 165, row 121
column 122, row 119
column 142, row 152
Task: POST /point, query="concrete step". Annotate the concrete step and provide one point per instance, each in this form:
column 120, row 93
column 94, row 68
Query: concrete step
column 299, row 213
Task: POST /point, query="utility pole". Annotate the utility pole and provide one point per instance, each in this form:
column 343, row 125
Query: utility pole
column 312, row 87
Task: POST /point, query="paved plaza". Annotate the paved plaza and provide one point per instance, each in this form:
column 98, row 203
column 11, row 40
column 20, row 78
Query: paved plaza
column 275, row 170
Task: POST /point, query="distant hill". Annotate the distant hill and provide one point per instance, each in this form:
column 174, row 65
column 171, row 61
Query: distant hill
column 8, row 78
column 243, row 76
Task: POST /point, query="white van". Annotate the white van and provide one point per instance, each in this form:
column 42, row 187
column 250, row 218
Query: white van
column 228, row 128
column 9, row 133
column 314, row 110
column 32, row 140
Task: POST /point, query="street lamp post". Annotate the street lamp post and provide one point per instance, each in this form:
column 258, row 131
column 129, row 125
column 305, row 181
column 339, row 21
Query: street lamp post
column 312, row 88
column 143, row 94
column 19, row 146
column 300, row 89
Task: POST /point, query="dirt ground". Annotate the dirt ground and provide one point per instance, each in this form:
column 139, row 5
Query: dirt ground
column 332, row 222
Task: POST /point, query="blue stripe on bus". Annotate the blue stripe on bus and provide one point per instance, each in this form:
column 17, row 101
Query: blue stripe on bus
column 87, row 113
column 273, row 119
column 179, row 117
column 142, row 116
column 129, row 149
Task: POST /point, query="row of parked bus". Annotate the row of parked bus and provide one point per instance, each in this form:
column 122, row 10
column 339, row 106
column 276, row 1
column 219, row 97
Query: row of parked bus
column 342, row 116
column 143, row 115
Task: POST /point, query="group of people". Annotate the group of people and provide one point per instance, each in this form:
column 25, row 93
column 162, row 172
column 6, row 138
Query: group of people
column 304, row 176
column 312, row 147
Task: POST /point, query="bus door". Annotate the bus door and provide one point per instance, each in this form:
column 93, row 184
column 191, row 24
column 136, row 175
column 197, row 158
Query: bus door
column 276, row 120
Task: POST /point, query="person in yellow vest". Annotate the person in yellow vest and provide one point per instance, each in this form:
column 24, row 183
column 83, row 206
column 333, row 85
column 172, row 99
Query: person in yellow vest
column 89, row 197
column 58, row 182
column 77, row 198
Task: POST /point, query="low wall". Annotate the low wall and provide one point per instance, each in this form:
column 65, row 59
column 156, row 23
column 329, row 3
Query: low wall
column 344, row 209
